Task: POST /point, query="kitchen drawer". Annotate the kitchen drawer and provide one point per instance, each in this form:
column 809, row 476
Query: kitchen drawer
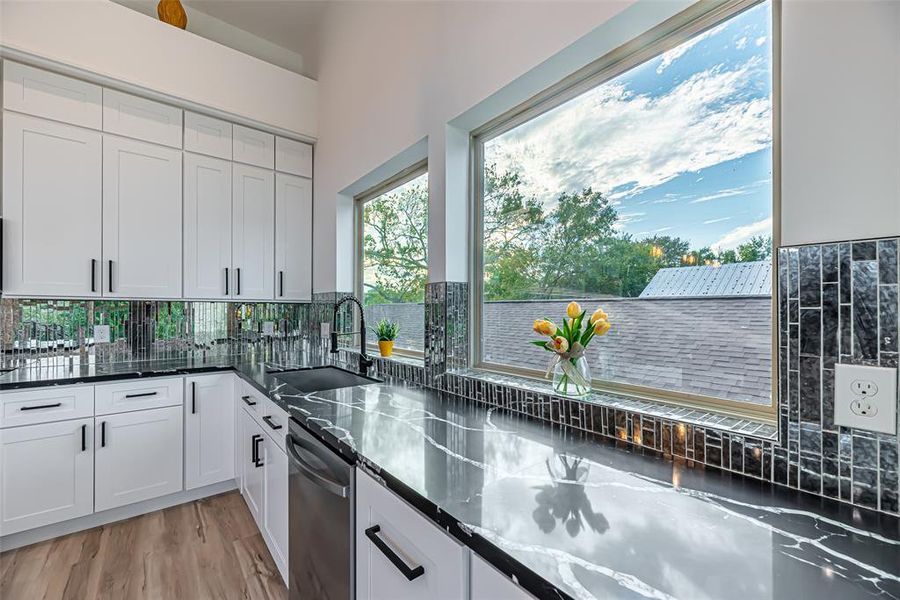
column 293, row 157
column 142, row 119
column 45, row 94
column 252, row 400
column 54, row 403
column 154, row 392
column 274, row 422
column 206, row 135
column 253, row 147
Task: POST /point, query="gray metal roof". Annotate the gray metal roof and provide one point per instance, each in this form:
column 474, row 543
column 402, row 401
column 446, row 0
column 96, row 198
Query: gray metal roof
column 737, row 279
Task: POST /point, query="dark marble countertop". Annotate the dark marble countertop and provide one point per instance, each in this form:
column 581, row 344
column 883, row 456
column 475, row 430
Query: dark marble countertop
column 579, row 517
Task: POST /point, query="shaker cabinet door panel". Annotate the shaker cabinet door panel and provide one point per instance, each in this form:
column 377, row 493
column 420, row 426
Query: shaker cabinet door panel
column 207, row 227
column 251, row 466
column 275, row 515
column 142, row 119
column 253, row 147
column 46, row 474
column 253, row 223
column 52, row 96
column 141, row 219
column 208, row 429
column 293, row 238
column 293, row 157
column 207, row 135
column 52, row 204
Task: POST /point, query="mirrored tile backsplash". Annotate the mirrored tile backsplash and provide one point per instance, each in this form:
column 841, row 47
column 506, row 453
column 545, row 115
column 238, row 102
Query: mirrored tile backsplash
column 41, row 333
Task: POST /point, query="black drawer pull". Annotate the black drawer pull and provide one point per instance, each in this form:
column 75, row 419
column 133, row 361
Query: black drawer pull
column 40, row 406
column 238, row 293
column 93, row 274
column 281, row 283
column 409, row 573
column 248, row 401
column 255, row 440
column 269, row 422
column 193, row 397
column 226, row 281
column 83, row 438
column 141, row 395
column 110, row 276
column 103, row 434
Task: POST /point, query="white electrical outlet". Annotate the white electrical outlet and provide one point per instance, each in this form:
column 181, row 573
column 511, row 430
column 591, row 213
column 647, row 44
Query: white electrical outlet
column 866, row 397
column 325, row 329
column 268, row 328
column 101, row 334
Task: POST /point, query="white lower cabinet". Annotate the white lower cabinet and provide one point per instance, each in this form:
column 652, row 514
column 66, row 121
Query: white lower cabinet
column 208, row 429
column 46, row 474
column 138, row 455
column 431, row 564
column 487, row 583
column 251, row 466
column 275, row 515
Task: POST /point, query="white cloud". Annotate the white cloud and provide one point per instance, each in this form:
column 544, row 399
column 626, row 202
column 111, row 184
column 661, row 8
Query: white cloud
column 741, row 43
column 611, row 138
column 729, row 193
column 711, row 221
column 760, row 41
column 677, row 52
column 739, row 235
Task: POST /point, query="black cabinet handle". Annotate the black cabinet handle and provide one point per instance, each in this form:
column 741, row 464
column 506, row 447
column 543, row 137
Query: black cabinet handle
column 103, row 434
column 141, row 395
column 40, row 406
column 93, row 274
column 110, row 276
column 193, row 397
column 409, row 573
column 226, row 281
column 248, row 401
column 254, row 452
column 83, row 438
column 269, row 422
column 281, row 283
column 238, row 281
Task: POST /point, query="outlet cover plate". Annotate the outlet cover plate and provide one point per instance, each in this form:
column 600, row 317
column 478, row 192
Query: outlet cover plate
column 866, row 397
column 101, row 334
column 268, row 328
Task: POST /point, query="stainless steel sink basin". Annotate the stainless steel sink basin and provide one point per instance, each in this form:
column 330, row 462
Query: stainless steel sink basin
column 320, row 379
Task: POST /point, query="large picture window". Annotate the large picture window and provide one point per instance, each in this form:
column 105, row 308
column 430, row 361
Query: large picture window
column 645, row 189
column 393, row 255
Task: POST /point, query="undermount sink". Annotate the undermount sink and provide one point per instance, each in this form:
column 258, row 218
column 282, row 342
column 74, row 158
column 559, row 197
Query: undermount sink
column 320, row 379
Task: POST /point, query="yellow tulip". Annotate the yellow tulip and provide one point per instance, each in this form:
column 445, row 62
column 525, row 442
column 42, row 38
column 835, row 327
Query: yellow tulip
column 598, row 315
column 544, row 327
column 601, row 327
column 573, row 310
column 560, row 344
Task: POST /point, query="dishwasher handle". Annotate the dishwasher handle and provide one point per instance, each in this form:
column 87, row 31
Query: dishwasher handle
column 307, row 471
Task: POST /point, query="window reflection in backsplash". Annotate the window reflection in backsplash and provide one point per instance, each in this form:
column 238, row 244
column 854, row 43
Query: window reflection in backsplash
column 61, row 332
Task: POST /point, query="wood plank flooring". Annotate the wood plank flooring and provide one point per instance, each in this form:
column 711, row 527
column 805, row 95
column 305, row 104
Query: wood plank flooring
column 210, row 548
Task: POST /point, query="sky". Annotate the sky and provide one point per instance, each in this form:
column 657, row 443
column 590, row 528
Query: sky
column 681, row 145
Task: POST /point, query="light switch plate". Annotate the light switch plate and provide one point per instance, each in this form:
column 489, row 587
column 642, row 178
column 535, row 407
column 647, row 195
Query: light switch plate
column 101, row 334
column 268, row 328
column 866, row 397
column 325, row 329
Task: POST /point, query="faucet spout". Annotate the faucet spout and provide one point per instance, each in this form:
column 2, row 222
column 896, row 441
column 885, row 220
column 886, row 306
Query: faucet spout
column 364, row 361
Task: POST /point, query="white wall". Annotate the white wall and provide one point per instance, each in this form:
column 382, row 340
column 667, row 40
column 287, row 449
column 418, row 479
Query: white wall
column 113, row 41
column 840, row 120
column 395, row 74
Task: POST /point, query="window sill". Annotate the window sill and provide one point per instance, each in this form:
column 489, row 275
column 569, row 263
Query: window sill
column 691, row 416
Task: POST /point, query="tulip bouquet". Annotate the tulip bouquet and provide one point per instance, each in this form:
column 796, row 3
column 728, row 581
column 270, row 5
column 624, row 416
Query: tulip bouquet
column 571, row 373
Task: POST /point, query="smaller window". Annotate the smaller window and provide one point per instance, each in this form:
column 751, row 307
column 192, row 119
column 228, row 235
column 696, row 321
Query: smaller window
column 392, row 255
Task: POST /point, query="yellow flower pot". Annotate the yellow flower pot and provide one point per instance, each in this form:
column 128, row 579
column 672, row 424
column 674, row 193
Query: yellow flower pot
column 386, row 347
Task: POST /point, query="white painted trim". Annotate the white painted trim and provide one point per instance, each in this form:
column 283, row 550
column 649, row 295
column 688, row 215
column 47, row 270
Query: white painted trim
column 40, row 534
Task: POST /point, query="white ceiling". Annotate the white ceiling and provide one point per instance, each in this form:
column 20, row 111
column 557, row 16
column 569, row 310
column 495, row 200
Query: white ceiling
column 282, row 32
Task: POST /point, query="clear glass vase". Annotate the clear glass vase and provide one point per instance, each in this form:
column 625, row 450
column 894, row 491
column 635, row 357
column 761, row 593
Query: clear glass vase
column 572, row 377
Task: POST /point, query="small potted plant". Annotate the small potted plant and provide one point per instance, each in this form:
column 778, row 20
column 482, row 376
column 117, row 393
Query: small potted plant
column 387, row 331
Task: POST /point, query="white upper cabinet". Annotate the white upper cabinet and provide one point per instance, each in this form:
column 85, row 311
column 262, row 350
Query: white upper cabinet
column 46, row 94
column 293, row 237
column 207, row 227
column 139, row 118
column 209, row 432
column 206, row 135
column 253, row 229
column 253, row 147
column 51, row 208
column 293, row 157
column 141, row 219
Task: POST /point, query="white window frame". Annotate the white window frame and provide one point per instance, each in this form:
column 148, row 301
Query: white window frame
column 669, row 34
column 359, row 203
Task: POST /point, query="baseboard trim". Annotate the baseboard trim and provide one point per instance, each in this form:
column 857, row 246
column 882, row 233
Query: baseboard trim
column 40, row 534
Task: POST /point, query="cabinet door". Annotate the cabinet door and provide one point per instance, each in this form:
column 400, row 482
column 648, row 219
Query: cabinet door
column 47, row 474
column 400, row 530
column 487, row 583
column 138, row 456
column 253, row 147
column 141, row 219
column 275, row 515
column 142, row 119
column 293, row 157
column 52, row 207
column 206, row 135
column 207, row 227
column 208, row 429
column 252, row 466
column 46, row 94
column 293, row 238
column 253, row 214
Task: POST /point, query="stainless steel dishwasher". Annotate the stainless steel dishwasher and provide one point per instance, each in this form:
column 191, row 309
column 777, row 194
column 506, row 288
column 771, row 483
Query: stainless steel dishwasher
column 321, row 520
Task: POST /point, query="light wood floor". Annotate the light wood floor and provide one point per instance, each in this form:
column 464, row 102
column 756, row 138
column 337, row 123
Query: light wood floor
column 210, row 548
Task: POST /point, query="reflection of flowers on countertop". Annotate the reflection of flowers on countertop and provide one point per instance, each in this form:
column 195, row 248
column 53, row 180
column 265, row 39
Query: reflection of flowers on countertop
column 565, row 500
